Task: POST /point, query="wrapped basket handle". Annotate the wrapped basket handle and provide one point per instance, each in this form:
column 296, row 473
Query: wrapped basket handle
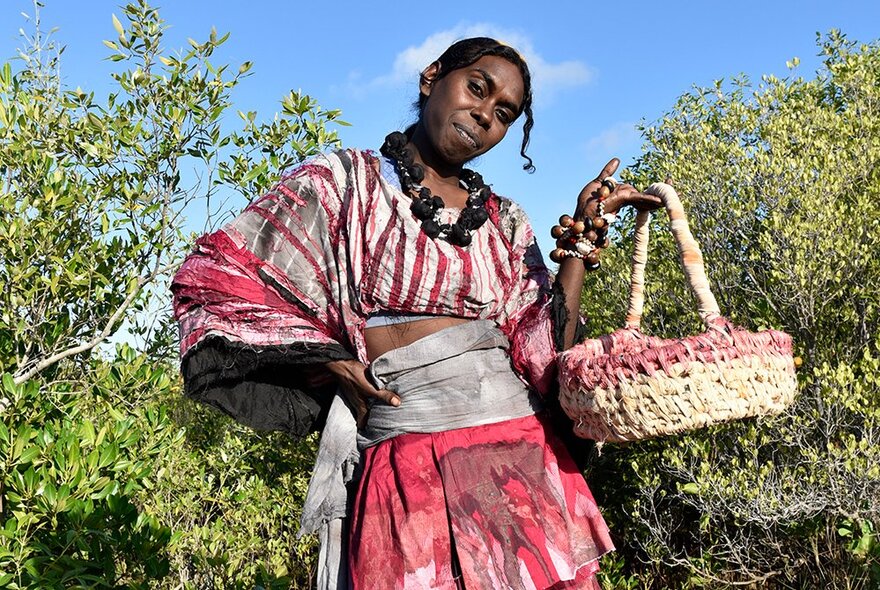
column 688, row 250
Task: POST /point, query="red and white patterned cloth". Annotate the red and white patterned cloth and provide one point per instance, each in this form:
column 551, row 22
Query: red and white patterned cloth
column 301, row 269
column 335, row 242
column 518, row 509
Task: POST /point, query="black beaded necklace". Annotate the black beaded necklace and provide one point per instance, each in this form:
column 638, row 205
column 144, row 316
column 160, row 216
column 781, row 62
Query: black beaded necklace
column 426, row 206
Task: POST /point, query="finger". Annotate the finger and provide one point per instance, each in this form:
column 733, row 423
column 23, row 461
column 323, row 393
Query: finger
column 644, row 202
column 387, row 396
column 647, row 200
column 630, row 197
column 609, row 169
column 624, row 189
column 628, row 191
column 625, row 193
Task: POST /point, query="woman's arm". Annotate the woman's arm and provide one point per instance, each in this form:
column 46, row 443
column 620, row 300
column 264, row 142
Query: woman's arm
column 570, row 278
column 569, row 282
column 259, row 305
column 351, row 377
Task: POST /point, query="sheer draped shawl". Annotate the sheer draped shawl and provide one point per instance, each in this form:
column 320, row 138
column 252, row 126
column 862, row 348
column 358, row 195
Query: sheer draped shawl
column 289, row 283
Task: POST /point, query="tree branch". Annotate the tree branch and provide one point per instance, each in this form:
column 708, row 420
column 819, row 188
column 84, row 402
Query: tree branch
column 24, row 374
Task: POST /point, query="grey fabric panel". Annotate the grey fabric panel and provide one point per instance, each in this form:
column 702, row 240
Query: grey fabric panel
column 455, row 378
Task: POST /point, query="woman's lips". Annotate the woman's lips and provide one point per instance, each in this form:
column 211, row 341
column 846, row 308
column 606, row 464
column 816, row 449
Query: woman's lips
column 467, row 135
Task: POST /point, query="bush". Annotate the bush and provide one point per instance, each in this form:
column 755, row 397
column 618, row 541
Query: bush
column 107, row 478
column 74, row 465
column 234, row 497
column 782, row 188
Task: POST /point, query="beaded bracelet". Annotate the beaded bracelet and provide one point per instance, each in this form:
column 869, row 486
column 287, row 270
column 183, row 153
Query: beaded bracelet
column 584, row 238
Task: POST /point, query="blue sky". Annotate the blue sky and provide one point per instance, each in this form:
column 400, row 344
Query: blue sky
column 599, row 68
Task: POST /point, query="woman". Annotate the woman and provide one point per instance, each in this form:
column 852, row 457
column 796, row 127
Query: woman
column 436, row 319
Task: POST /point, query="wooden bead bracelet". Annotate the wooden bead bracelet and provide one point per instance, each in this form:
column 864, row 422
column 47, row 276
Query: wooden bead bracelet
column 584, row 238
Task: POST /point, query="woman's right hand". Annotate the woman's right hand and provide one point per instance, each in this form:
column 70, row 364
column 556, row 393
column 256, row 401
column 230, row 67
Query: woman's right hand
column 351, row 376
column 623, row 195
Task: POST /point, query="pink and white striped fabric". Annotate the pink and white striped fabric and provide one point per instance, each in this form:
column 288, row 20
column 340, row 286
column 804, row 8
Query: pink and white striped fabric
column 300, row 271
column 334, row 242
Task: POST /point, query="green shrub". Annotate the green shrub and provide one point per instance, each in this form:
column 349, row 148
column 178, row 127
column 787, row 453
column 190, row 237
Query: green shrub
column 782, row 188
column 233, row 497
column 74, row 462
column 107, row 478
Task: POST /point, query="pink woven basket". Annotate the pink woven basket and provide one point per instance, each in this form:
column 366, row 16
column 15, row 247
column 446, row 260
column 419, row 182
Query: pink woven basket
column 627, row 386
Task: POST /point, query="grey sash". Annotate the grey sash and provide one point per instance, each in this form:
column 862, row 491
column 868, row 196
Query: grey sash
column 455, row 378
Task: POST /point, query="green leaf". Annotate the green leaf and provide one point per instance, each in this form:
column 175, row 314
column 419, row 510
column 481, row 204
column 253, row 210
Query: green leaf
column 6, row 74
column 87, row 431
column 9, row 385
column 864, row 545
column 117, row 25
column 29, row 454
column 108, row 455
column 49, row 492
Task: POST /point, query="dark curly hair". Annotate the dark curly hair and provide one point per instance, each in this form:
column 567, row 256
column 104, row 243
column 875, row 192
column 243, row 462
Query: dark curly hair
column 467, row 51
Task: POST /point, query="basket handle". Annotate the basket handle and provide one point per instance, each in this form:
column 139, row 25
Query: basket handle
column 689, row 252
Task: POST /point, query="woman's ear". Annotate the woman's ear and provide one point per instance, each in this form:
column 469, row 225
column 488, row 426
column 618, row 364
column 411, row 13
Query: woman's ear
column 428, row 77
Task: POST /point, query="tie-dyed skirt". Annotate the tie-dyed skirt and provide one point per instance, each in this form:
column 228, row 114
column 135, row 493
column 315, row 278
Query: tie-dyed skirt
column 505, row 498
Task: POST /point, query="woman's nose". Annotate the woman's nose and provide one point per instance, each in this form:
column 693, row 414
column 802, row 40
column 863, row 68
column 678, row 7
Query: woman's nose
column 481, row 114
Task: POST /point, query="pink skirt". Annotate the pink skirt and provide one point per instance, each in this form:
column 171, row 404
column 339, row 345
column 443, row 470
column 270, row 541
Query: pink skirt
column 506, row 496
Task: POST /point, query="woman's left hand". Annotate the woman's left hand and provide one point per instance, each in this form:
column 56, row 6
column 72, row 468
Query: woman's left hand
column 623, row 195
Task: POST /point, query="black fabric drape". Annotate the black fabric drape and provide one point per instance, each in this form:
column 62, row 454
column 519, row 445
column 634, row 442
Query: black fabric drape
column 266, row 388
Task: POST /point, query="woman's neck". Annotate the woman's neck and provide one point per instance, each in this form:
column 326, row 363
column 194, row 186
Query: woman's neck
column 438, row 172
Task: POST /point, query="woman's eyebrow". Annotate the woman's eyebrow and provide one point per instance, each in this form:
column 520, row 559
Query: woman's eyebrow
column 490, row 82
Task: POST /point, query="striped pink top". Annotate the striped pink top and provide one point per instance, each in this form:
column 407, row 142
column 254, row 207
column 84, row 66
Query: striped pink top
column 335, row 242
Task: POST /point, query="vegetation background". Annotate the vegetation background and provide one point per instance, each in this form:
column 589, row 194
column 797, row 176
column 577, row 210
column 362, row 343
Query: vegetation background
column 109, row 479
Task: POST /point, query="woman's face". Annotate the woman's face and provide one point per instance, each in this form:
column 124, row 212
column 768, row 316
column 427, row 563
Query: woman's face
column 469, row 110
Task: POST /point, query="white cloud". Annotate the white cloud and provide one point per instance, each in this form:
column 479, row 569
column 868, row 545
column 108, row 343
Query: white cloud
column 613, row 139
column 547, row 78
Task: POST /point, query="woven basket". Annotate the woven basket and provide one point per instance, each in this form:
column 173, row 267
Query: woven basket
column 627, row 386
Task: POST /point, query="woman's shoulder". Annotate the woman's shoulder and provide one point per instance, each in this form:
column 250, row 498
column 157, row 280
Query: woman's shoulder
column 341, row 160
column 350, row 157
column 333, row 169
column 507, row 207
column 512, row 220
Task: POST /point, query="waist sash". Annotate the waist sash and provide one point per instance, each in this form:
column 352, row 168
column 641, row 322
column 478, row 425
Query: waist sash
column 455, row 378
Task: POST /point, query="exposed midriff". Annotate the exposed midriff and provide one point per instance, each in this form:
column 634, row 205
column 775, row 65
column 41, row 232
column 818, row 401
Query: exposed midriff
column 381, row 339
